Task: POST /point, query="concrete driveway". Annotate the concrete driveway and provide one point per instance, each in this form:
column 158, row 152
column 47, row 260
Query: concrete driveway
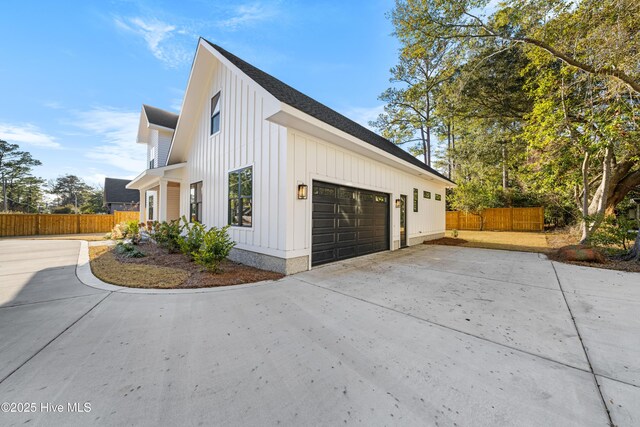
column 430, row 335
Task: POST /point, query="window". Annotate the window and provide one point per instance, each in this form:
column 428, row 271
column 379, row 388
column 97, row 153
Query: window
column 426, row 194
column 150, row 202
column 195, row 202
column 240, row 194
column 415, row 200
column 438, row 197
column 151, row 164
column 215, row 113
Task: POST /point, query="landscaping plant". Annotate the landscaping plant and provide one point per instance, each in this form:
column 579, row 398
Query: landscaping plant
column 193, row 237
column 128, row 250
column 215, row 247
column 168, row 235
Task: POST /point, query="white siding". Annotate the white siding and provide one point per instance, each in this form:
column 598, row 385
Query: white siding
column 312, row 159
column 164, row 143
column 245, row 139
column 152, row 148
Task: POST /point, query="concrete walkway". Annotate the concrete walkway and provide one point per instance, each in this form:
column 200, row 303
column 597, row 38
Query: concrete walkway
column 423, row 336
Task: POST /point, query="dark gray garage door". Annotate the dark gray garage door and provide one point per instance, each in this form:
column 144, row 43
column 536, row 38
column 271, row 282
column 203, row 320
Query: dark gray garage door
column 347, row 222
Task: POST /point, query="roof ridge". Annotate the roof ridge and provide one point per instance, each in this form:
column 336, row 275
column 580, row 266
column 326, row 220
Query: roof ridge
column 293, row 97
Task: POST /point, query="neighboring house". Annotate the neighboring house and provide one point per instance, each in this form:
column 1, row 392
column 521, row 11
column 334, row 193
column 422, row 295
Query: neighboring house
column 299, row 183
column 117, row 197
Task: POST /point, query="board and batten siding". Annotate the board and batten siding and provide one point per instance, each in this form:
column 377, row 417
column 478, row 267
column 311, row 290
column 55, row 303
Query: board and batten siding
column 245, row 139
column 310, row 159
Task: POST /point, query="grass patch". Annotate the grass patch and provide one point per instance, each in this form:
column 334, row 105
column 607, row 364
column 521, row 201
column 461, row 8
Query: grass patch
column 106, row 266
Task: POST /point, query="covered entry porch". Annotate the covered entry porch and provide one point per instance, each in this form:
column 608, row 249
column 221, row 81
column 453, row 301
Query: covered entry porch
column 159, row 192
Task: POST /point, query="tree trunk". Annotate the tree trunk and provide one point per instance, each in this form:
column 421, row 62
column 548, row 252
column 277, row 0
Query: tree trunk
column 504, row 166
column 453, row 146
column 585, row 198
column 424, row 145
column 428, row 119
column 449, row 148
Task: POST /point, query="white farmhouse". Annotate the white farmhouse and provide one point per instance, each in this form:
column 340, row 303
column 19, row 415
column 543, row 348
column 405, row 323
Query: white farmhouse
column 300, row 184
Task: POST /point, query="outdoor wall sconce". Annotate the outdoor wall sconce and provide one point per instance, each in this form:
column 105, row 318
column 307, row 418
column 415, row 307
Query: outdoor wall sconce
column 302, row 191
column 398, row 203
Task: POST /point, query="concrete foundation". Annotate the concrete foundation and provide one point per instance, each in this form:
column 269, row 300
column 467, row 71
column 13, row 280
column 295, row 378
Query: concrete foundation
column 269, row 262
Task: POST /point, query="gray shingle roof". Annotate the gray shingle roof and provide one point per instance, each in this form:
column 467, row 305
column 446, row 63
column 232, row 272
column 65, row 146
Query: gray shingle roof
column 115, row 191
column 160, row 117
column 288, row 95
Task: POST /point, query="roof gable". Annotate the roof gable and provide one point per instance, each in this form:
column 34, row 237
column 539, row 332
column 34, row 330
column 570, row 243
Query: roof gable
column 115, row 191
column 288, row 95
column 159, row 117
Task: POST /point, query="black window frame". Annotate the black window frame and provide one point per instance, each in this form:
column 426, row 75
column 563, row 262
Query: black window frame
column 214, row 124
column 240, row 199
column 438, row 197
column 195, row 202
column 415, row 200
column 426, row 194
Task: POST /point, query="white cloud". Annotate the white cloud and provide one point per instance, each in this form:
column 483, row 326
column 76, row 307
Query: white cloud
column 363, row 115
column 115, row 132
column 160, row 38
column 248, row 14
column 27, row 134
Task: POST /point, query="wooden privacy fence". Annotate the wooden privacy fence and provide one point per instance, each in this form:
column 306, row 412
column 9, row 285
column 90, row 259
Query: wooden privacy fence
column 499, row 219
column 46, row 224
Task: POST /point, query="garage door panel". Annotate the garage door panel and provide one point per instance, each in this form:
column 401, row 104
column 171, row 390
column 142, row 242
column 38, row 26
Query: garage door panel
column 347, row 222
column 347, row 237
column 324, row 207
column 323, row 256
column 324, row 223
column 322, row 239
column 346, row 252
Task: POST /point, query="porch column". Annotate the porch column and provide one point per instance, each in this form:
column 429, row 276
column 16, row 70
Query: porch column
column 162, row 200
column 143, row 205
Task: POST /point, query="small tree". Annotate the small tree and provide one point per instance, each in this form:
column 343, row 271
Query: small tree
column 475, row 198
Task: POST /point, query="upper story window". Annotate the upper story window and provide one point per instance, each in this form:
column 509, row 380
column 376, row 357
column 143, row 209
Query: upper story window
column 240, row 197
column 195, row 202
column 152, row 157
column 215, row 113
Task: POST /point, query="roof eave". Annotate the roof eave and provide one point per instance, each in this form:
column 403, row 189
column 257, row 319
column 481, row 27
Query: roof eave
column 291, row 117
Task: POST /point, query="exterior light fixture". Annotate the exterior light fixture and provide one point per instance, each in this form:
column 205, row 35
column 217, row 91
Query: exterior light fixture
column 302, row 191
column 398, row 203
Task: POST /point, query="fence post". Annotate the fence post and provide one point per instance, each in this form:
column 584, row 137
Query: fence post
column 77, row 223
column 37, row 224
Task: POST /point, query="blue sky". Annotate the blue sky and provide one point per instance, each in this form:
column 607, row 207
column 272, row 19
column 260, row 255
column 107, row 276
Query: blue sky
column 74, row 74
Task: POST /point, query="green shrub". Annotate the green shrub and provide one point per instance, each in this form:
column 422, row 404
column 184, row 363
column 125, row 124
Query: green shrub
column 215, row 247
column 167, row 235
column 454, row 234
column 192, row 239
column 128, row 250
column 614, row 231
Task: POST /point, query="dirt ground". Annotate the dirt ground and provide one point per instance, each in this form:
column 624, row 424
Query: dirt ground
column 511, row 240
column 159, row 269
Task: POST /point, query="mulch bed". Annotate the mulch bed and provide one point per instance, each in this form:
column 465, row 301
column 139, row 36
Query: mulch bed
column 231, row 273
column 591, row 257
column 446, row 241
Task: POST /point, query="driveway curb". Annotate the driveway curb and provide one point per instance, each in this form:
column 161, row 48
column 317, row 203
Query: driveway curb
column 86, row 277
